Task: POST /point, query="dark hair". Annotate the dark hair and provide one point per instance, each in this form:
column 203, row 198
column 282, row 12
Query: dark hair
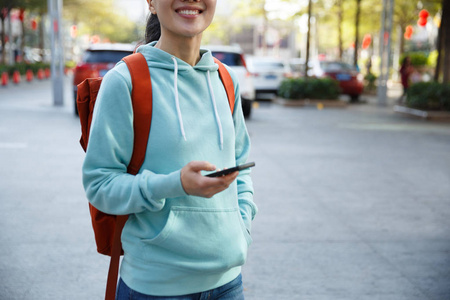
column 405, row 60
column 153, row 29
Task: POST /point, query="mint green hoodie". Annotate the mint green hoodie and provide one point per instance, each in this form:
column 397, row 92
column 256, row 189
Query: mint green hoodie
column 174, row 243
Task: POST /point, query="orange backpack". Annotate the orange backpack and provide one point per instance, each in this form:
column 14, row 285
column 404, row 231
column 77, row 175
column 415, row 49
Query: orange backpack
column 108, row 228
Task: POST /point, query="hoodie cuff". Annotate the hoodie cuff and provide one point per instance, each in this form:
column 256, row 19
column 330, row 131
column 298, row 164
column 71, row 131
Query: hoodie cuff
column 160, row 187
column 247, row 215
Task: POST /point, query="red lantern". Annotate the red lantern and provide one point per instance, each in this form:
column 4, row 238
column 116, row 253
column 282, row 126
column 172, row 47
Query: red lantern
column 366, row 41
column 408, row 32
column 423, row 16
column 33, row 24
column 422, row 22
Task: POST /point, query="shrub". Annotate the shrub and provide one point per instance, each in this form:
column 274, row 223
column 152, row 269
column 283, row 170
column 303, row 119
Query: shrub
column 3, row 68
column 22, row 67
column 370, row 80
column 418, row 59
column 310, row 88
column 429, row 96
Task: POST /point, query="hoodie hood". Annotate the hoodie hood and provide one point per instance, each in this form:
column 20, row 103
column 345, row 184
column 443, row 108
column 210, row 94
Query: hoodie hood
column 157, row 58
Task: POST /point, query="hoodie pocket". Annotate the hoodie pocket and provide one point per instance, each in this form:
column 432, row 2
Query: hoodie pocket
column 201, row 240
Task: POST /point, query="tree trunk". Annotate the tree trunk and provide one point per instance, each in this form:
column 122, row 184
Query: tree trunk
column 3, row 38
column 358, row 12
column 339, row 3
column 308, row 38
column 402, row 39
column 22, row 41
column 41, row 35
column 446, row 38
column 440, row 39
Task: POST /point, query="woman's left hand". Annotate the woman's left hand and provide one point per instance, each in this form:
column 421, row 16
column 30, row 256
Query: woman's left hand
column 194, row 183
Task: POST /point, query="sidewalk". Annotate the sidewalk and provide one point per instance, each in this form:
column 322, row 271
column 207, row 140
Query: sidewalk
column 354, row 204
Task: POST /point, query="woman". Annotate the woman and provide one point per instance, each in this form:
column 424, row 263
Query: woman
column 187, row 234
column 405, row 73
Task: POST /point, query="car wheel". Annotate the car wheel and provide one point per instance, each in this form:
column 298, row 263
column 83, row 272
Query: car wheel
column 247, row 107
column 354, row 98
column 75, row 103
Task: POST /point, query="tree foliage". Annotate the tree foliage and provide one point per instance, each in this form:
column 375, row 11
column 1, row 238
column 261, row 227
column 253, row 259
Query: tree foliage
column 99, row 17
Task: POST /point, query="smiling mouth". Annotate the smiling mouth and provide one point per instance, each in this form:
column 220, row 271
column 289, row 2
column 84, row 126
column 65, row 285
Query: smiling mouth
column 189, row 12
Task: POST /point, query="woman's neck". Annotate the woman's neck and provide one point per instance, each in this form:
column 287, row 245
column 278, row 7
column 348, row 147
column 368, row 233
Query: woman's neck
column 187, row 49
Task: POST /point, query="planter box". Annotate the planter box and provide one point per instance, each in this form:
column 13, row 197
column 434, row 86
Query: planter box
column 424, row 114
column 311, row 102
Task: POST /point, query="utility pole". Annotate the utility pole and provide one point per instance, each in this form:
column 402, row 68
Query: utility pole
column 385, row 50
column 57, row 59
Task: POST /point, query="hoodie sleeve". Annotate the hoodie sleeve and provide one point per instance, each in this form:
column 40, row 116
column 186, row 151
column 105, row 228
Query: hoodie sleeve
column 244, row 182
column 108, row 186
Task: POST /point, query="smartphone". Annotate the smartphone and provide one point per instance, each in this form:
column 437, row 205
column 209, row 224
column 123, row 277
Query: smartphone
column 231, row 170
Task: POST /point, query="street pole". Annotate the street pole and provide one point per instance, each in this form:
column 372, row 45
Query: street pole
column 385, row 50
column 57, row 49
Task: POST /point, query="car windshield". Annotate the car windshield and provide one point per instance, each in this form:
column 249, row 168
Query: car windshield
column 105, row 56
column 228, row 58
column 336, row 66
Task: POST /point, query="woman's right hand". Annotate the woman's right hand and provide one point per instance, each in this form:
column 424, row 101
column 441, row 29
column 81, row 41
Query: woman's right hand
column 195, row 184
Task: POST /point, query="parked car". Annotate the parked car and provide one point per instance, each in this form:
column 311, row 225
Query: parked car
column 349, row 78
column 233, row 57
column 268, row 73
column 96, row 61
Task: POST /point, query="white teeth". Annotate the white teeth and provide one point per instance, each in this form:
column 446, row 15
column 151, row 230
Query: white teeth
column 189, row 12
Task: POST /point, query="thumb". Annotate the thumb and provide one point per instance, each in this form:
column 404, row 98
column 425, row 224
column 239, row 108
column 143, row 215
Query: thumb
column 198, row 166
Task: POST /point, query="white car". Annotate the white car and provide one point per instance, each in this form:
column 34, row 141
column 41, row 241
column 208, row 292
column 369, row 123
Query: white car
column 233, row 57
column 268, row 73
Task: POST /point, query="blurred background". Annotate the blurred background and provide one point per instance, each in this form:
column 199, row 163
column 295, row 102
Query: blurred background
column 351, row 178
column 369, row 35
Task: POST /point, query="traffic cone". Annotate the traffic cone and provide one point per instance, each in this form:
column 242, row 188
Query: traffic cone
column 29, row 75
column 47, row 73
column 5, row 79
column 16, row 77
column 40, row 74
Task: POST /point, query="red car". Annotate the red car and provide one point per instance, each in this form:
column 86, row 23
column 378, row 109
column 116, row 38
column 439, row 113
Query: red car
column 350, row 80
column 96, row 61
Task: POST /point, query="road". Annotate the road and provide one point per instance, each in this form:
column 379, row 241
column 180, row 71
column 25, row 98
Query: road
column 354, row 203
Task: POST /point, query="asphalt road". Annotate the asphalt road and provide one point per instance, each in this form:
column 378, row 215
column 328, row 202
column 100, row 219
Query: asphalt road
column 354, row 203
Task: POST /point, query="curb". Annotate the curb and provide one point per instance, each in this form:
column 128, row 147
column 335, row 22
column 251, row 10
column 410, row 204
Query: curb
column 311, row 102
column 424, row 114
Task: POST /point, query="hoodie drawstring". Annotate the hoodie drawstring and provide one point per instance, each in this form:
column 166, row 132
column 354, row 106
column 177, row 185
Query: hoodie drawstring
column 177, row 101
column 213, row 99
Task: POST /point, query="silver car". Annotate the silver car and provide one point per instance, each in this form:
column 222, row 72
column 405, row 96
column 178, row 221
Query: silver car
column 268, row 73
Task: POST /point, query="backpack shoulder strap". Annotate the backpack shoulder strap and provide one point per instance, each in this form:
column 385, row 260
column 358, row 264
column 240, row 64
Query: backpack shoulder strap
column 227, row 83
column 141, row 96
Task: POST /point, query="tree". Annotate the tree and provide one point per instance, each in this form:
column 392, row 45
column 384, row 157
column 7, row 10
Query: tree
column 99, row 17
